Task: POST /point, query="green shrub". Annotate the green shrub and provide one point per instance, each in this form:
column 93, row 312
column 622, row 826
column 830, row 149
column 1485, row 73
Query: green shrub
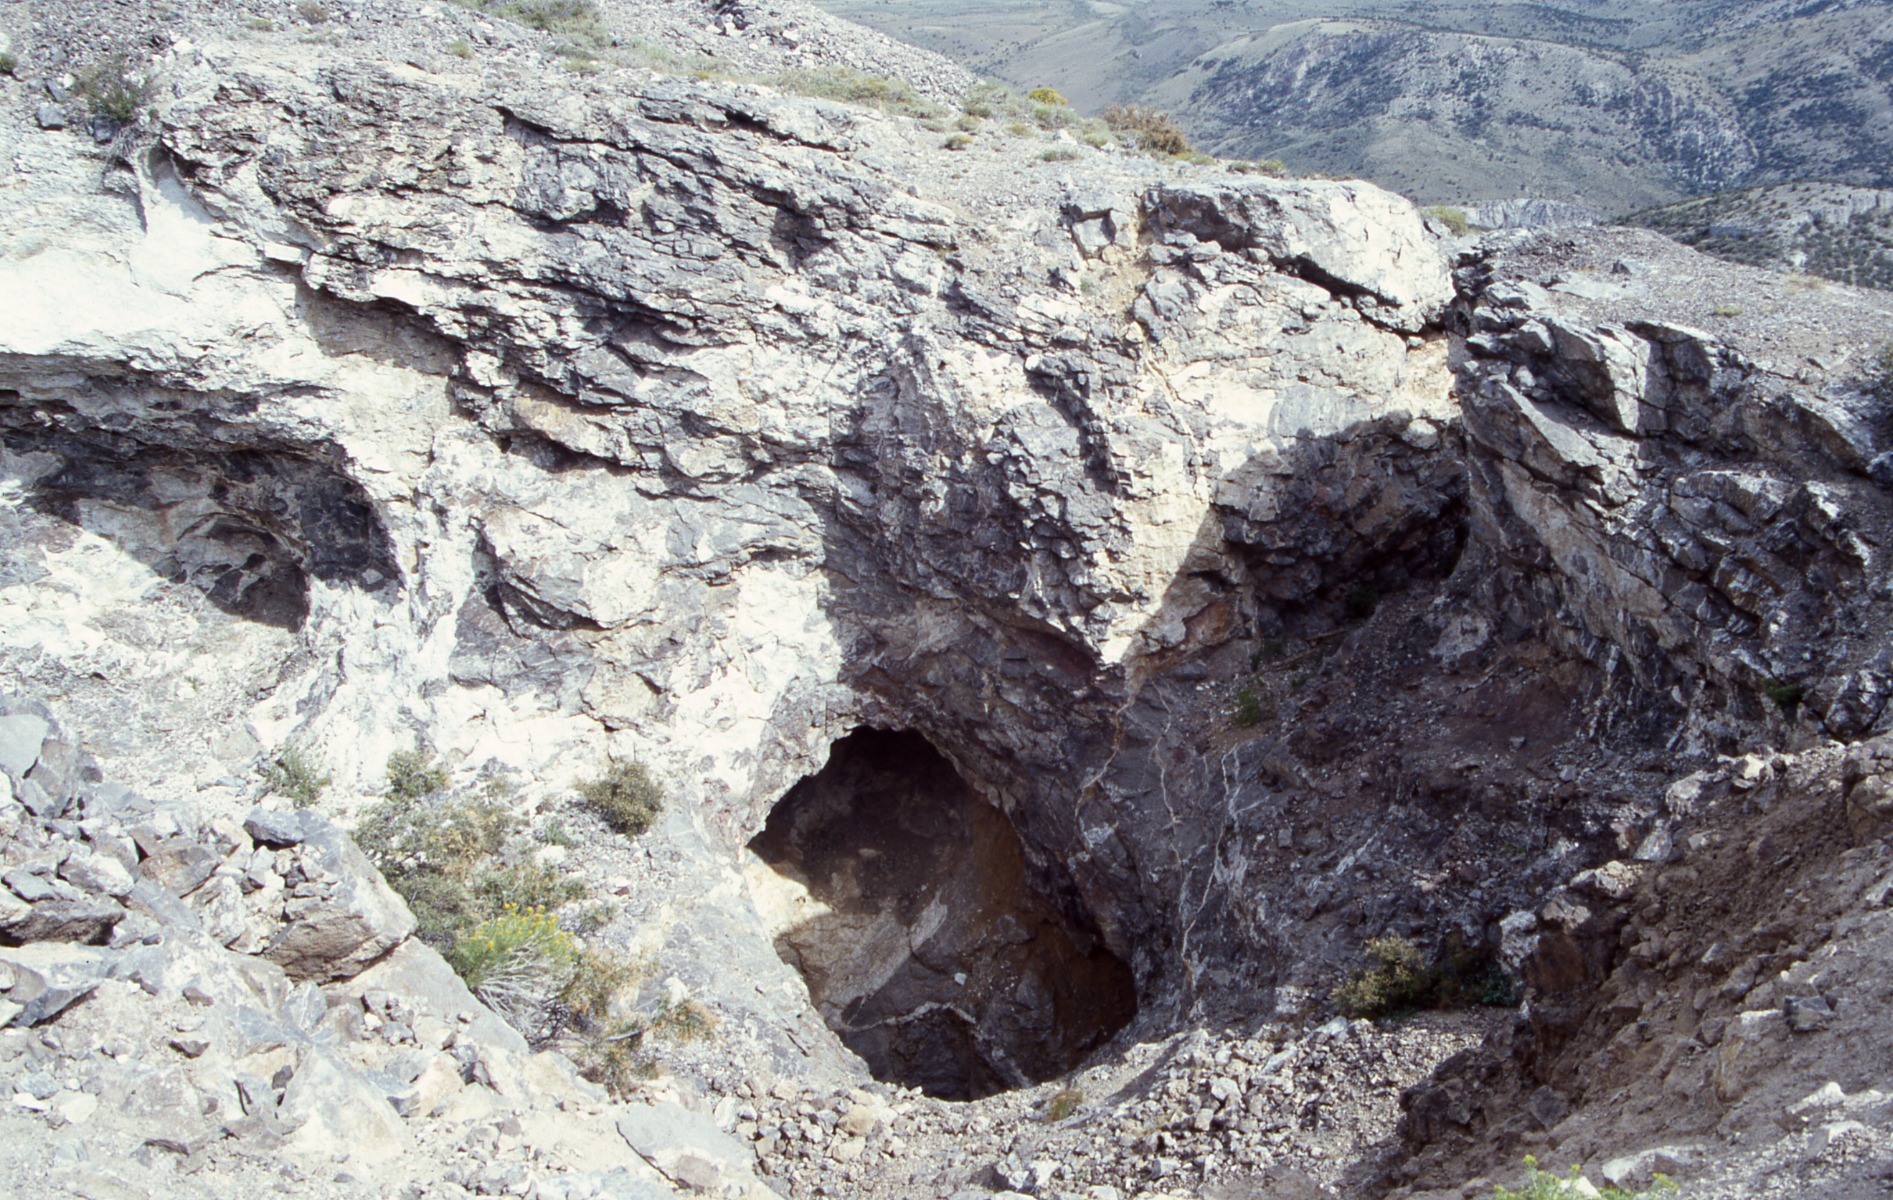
column 112, row 89
column 460, row 48
column 1267, row 166
column 1153, row 131
column 412, row 775
column 1064, row 1102
column 1058, row 154
column 959, row 141
column 1726, row 310
column 428, row 852
column 1395, row 980
column 466, row 868
column 977, row 111
column 1252, row 708
column 296, row 776
column 575, row 20
column 627, row 797
column 520, row 949
column 1045, row 95
column 1398, row 979
column 1786, row 696
column 1454, row 219
column 853, row 87
column 602, row 1030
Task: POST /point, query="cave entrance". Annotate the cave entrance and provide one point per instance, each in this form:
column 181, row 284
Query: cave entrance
column 904, row 901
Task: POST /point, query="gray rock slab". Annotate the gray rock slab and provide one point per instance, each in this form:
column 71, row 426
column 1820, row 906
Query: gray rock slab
column 20, row 738
column 88, row 920
column 50, row 977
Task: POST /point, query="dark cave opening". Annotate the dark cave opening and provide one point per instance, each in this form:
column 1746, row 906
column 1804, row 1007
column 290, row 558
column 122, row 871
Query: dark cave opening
column 925, row 946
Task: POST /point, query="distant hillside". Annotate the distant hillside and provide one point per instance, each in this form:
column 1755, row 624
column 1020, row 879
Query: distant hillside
column 1617, row 104
column 1840, row 232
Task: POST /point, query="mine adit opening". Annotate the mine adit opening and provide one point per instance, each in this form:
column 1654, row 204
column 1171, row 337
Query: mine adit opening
column 905, row 901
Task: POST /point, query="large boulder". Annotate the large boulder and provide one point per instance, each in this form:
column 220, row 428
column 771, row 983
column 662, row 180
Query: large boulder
column 356, row 920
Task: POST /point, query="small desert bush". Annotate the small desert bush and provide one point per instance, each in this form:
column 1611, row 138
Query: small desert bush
column 115, row 90
column 573, row 20
column 1785, row 696
column 1064, row 1102
column 510, row 924
column 517, row 963
column 1273, row 167
column 1398, row 979
column 1153, row 130
column 1455, row 219
column 1395, row 980
column 603, row 1029
column 296, row 776
column 627, row 797
column 853, row 87
column 458, row 863
column 413, row 775
column 958, row 141
column 1045, row 95
column 1252, row 708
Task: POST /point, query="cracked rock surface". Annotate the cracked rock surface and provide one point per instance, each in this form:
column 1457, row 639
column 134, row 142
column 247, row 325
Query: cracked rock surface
column 1275, row 571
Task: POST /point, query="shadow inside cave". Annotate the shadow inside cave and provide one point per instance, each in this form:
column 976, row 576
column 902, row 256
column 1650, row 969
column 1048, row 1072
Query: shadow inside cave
column 924, row 946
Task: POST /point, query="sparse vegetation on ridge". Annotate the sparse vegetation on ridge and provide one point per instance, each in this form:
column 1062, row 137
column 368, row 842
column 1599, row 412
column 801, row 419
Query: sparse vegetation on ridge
column 115, row 89
column 1150, row 128
column 511, row 926
column 627, row 798
column 1455, row 219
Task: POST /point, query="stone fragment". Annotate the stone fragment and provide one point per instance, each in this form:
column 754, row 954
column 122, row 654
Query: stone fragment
column 337, row 936
column 332, row 1105
column 281, row 827
column 179, row 865
column 89, row 921
column 49, row 977
column 20, row 738
column 32, row 886
column 686, row 1147
column 97, row 873
column 1807, row 1014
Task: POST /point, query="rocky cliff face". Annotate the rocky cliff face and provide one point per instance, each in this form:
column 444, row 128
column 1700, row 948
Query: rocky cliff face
column 1277, row 584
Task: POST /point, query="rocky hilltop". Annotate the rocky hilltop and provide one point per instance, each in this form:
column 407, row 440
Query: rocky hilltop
column 1070, row 601
column 1825, row 229
column 1615, row 104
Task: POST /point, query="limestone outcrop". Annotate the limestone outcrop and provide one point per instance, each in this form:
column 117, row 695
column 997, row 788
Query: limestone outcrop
column 1268, row 580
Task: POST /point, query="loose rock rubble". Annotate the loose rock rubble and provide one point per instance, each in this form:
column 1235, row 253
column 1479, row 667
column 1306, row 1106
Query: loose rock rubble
column 229, row 1007
column 1281, row 584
